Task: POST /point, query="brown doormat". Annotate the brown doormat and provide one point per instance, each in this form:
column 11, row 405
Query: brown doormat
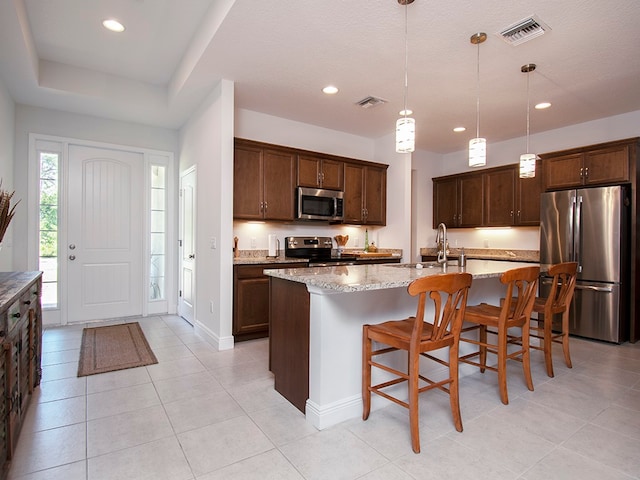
column 114, row 347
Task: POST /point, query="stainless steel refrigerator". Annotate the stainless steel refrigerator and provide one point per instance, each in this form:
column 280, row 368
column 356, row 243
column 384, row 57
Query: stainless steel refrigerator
column 590, row 226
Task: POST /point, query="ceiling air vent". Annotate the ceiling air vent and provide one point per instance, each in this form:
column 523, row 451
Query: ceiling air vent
column 370, row 101
column 524, row 30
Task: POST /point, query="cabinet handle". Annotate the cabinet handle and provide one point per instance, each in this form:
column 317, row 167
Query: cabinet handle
column 586, row 172
column 27, row 302
column 581, row 172
column 16, row 315
column 511, row 213
column 265, row 206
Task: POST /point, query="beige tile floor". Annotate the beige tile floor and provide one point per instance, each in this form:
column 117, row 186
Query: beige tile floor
column 206, row 415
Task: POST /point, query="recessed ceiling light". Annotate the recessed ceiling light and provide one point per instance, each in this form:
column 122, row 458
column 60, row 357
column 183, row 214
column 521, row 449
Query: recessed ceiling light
column 113, row 25
column 405, row 112
column 330, row 90
column 542, row 105
column 459, row 129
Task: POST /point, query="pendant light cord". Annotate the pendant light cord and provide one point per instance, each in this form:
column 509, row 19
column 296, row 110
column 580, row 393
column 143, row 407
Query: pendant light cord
column 528, row 73
column 406, row 56
column 478, row 94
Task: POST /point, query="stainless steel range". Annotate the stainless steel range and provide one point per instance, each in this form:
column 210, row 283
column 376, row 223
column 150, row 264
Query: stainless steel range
column 319, row 251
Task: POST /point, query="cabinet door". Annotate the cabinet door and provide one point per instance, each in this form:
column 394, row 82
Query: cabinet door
column 309, row 171
column 332, row 174
column 608, row 165
column 252, row 309
column 375, row 203
column 279, row 185
column 563, row 172
column 247, row 183
column 471, row 200
column 353, row 193
column 445, row 202
column 528, row 192
column 500, row 197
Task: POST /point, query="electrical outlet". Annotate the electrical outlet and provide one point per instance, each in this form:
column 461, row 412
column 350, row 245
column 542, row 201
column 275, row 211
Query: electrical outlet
column 213, row 243
column 254, row 243
column 486, row 243
column 356, row 241
column 211, row 306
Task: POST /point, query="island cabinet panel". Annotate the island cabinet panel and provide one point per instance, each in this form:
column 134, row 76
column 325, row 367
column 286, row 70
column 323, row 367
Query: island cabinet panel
column 251, row 300
column 263, row 182
column 500, row 196
column 21, row 339
column 289, row 340
column 365, row 194
column 602, row 164
column 319, row 172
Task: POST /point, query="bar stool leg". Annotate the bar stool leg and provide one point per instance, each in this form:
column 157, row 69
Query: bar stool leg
column 366, row 373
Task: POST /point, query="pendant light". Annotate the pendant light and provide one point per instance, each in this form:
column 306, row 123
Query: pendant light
column 478, row 145
column 528, row 160
column 405, row 126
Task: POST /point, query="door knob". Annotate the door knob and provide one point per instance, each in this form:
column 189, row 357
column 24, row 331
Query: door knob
column 72, row 246
column 72, row 257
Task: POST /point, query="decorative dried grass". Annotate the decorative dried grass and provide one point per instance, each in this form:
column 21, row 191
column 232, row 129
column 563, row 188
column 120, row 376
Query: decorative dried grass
column 6, row 210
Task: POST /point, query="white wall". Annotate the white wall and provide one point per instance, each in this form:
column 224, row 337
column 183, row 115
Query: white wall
column 70, row 125
column 7, row 139
column 428, row 165
column 206, row 141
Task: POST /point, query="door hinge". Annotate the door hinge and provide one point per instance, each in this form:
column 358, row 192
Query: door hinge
column 179, row 243
column 179, row 293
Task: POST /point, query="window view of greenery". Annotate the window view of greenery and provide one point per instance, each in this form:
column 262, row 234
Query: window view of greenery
column 48, row 257
column 158, row 232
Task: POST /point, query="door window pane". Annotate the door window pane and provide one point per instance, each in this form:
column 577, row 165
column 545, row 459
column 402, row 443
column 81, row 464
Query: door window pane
column 158, row 239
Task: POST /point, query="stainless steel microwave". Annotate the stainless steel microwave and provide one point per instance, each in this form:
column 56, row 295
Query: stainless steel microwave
column 320, row 204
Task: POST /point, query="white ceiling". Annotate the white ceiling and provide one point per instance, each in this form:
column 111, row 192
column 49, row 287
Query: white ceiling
column 280, row 53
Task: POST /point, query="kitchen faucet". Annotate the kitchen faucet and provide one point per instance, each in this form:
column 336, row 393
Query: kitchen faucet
column 442, row 243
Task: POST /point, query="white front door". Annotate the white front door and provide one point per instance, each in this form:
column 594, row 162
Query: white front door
column 186, row 300
column 105, row 233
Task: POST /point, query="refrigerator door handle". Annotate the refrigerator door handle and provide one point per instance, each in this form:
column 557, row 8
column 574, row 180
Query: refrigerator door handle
column 577, row 233
column 594, row 288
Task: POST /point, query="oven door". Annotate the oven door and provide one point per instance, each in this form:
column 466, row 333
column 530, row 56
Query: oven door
column 319, row 204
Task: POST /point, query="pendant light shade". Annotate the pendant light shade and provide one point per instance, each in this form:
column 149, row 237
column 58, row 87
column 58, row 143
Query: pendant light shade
column 405, row 126
column 405, row 135
column 477, row 152
column 478, row 145
column 528, row 160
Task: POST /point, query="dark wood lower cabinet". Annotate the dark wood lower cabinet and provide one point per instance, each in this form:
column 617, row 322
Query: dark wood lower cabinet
column 20, row 357
column 251, row 300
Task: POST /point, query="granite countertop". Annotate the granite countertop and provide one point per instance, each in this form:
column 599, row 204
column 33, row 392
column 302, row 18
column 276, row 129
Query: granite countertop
column 490, row 254
column 356, row 278
column 258, row 257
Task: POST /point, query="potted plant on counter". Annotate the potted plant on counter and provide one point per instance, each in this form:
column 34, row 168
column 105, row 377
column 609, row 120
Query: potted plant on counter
column 6, row 211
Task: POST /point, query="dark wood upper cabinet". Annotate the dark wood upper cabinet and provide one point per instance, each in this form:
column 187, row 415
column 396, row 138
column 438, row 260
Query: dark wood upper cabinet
column 528, row 192
column 319, row 172
column 263, row 182
column 603, row 164
column 365, row 194
column 492, row 197
column 500, row 195
column 470, row 200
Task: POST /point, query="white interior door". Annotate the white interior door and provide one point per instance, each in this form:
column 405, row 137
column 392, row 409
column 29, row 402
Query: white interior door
column 186, row 300
column 105, row 233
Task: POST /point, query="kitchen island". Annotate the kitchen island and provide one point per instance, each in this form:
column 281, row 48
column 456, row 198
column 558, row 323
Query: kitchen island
column 316, row 318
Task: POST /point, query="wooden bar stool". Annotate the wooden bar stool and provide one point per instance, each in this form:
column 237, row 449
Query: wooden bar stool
column 448, row 293
column 558, row 302
column 515, row 311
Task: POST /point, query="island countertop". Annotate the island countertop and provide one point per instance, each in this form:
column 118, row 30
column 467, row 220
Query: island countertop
column 357, row 278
